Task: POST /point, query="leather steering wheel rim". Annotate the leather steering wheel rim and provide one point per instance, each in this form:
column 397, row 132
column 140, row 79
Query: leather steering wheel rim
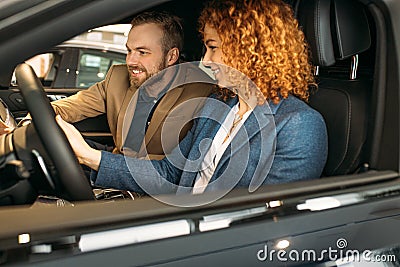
column 75, row 185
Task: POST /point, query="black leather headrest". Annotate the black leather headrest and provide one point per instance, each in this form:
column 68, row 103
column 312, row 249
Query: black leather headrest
column 351, row 28
column 314, row 18
column 334, row 29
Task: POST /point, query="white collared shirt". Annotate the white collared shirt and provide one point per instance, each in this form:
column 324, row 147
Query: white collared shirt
column 217, row 149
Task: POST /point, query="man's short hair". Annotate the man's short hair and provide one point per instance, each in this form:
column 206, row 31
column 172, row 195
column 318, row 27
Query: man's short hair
column 169, row 23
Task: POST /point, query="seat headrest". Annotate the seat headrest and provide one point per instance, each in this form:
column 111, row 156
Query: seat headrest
column 334, row 29
column 351, row 28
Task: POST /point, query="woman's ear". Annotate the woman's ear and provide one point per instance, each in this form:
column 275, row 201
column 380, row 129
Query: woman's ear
column 172, row 56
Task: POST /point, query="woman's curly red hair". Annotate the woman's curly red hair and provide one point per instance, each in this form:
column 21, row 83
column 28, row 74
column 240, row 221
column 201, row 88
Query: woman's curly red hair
column 262, row 39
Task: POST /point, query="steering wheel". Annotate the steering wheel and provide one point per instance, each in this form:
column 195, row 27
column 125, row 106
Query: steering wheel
column 70, row 173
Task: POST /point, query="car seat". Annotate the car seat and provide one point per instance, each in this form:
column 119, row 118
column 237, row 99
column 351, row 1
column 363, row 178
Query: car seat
column 338, row 32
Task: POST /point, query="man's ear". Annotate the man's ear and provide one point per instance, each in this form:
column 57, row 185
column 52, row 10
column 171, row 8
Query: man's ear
column 172, row 56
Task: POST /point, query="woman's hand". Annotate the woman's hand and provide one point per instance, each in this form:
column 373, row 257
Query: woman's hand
column 85, row 154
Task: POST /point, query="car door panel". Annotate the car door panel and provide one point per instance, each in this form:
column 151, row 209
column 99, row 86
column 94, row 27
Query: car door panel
column 247, row 242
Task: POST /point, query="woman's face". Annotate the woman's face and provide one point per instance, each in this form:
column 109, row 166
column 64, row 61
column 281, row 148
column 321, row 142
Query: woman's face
column 213, row 56
column 226, row 76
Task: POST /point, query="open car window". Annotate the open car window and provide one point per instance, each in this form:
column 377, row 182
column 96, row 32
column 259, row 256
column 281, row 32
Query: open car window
column 86, row 57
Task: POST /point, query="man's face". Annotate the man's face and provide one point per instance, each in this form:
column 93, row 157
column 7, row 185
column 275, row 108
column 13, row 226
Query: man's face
column 145, row 54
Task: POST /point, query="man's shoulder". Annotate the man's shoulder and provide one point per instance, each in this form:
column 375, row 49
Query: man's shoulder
column 196, row 81
column 190, row 72
column 197, row 88
column 119, row 69
column 117, row 76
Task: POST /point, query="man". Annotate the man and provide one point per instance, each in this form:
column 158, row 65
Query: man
column 154, row 44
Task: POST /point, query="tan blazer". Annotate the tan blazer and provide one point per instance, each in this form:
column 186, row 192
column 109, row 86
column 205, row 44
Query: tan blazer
column 113, row 96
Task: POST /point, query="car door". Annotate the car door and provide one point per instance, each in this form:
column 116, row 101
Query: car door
column 354, row 212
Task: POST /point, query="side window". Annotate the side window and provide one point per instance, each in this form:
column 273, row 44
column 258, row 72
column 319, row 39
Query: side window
column 45, row 67
column 41, row 64
column 93, row 67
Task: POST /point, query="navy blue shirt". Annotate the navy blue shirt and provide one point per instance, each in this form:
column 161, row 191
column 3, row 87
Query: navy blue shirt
column 140, row 120
column 145, row 107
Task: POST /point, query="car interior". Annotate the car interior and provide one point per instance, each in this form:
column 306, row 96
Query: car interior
column 338, row 39
column 353, row 48
column 347, row 54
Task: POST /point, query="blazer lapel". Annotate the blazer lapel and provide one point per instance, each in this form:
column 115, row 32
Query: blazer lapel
column 261, row 118
column 205, row 131
column 162, row 110
column 260, row 122
column 209, row 123
column 127, row 111
column 173, row 78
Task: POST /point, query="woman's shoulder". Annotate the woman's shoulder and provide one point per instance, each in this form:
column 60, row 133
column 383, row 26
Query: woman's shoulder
column 293, row 105
column 295, row 111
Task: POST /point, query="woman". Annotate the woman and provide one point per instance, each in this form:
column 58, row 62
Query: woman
column 268, row 135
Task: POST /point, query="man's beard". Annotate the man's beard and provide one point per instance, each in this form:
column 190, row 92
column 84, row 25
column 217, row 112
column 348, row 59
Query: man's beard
column 136, row 82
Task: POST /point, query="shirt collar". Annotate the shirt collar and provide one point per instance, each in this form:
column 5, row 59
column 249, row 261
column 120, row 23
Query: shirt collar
column 274, row 107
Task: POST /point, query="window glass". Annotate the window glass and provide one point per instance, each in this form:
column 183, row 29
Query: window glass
column 83, row 60
column 43, row 65
column 93, row 67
